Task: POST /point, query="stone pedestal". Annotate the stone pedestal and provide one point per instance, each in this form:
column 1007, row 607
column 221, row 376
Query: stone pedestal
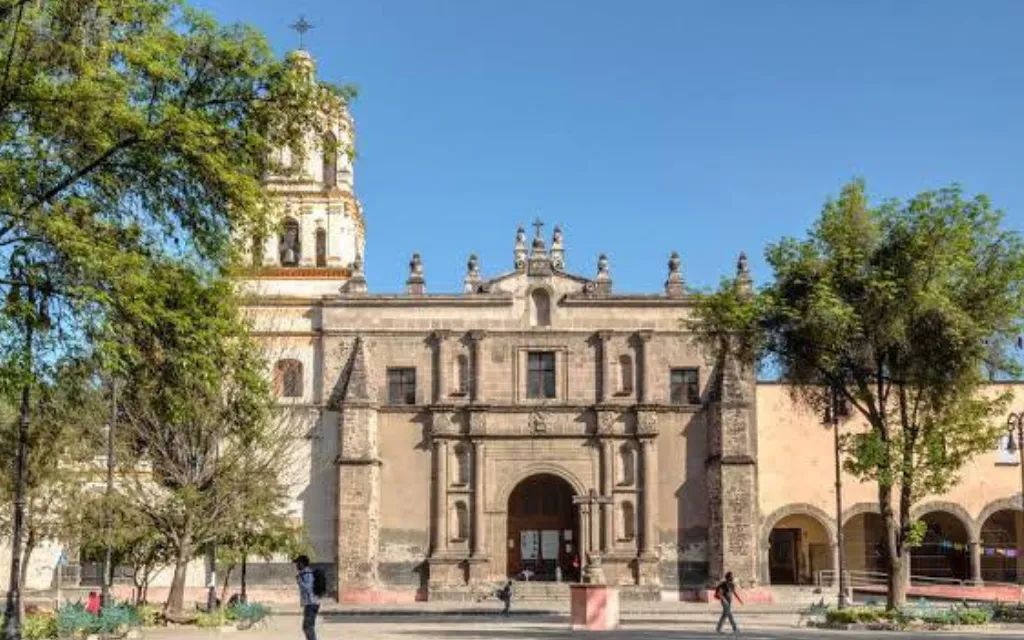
column 594, row 607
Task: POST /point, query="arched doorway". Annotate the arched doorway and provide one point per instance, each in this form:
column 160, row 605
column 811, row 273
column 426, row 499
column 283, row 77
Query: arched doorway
column 945, row 551
column 864, row 543
column 1002, row 546
column 543, row 529
column 798, row 548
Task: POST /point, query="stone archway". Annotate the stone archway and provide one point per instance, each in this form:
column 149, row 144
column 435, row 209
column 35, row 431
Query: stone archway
column 945, row 552
column 1001, row 538
column 797, row 542
column 542, row 529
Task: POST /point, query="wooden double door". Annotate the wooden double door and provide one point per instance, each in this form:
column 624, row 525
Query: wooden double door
column 543, row 530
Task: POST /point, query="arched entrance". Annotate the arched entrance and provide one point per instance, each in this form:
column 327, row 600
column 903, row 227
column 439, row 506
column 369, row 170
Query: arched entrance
column 945, row 551
column 543, row 529
column 1002, row 546
column 798, row 548
column 864, row 543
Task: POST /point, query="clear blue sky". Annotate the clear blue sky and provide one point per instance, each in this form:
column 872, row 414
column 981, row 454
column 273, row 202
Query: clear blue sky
column 646, row 126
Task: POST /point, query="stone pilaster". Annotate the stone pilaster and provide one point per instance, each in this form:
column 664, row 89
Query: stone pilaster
column 732, row 474
column 607, row 509
column 648, row 567
column 479, row 496
column 441, row 388
column 645, row 363
column 605, row 370
column 358, row 477
column 478, row 365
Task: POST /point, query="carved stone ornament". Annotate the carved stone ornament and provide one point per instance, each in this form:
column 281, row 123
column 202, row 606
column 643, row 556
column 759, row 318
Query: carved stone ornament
column 444, row 423
column 477, row 423
column 538, row 422
column 647, row 423
column 606, row 422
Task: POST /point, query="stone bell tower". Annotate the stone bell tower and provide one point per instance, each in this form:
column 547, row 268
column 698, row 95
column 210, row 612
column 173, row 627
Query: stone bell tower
column 318, row 230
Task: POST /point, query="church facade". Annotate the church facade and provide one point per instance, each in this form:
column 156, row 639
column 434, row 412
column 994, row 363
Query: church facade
column 538, row 425
column 537, row 422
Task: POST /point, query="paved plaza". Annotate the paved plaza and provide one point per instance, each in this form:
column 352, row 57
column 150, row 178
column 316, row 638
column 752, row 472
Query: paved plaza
column 547, row 627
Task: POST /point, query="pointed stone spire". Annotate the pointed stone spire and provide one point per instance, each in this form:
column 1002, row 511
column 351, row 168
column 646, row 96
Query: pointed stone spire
column 557, row 250
column 472, row 281
column 357, row 281
column 743, row 280
column 416, row 285
column 519, row 252
column 674, row 285
column 355, row 385
column 603, row 282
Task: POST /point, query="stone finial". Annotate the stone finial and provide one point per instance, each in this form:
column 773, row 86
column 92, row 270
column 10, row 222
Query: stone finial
column 472, row 281
column 519, row 252
column 537, row 246
column 357, row 280
column 557, row 249
column 603, row 282
column 743, row 279
column 674, row 285
column 416, row 284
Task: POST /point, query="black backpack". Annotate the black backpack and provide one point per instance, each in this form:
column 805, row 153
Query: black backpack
column 319, row 583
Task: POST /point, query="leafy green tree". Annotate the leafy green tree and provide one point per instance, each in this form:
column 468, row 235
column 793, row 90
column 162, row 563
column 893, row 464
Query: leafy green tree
column 62, row 442
column 129, row 130
column 898, row 307
column 266, row 533
column 197, row 406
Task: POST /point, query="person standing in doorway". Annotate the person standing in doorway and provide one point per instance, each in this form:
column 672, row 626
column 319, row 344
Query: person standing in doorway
column 725, row 592
column 308, row 597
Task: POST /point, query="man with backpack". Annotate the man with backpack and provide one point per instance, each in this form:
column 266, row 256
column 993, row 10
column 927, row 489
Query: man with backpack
column 724, row 592
column 312, row 587
column 505, row 595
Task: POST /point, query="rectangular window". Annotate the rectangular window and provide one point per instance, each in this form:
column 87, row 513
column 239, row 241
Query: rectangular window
column 540, row 374
column 684, row 386
column 402, row 385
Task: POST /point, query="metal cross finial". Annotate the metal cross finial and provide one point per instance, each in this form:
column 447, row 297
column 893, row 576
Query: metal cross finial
column 302, row 27
column 538, row 225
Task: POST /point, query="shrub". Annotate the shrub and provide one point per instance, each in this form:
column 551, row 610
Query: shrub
column 39, row 626
column 211, row 620
column 149, row 615
column 250, row 612
column 74, row 620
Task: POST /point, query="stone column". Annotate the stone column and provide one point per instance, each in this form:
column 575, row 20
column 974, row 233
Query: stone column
column 607, row 510
column 478, row 365
column 975, row 561
column 584, row 542
column 479, row 531
column 644, row 362
column 441, row 491
column 441, row 390
column 649, row 457
column 605, row 373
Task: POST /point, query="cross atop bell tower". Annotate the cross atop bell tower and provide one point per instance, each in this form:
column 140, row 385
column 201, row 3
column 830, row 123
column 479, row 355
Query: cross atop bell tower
column 302, row 27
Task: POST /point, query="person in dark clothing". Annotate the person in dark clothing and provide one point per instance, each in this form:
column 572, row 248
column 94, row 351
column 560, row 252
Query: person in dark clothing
column 725, row 592
column 307, row 596
column 505, row 595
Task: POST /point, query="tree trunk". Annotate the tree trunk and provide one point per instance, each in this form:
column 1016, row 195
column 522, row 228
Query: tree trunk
column 245, row 566
column 227, row 582
column 26, row 556
column 897, row 558
column 176, row 597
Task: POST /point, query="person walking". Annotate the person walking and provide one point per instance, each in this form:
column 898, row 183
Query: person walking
column 505, row 595
column 725, row 592
column 308, row 597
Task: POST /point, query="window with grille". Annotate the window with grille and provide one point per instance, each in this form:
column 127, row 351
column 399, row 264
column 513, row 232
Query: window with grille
column 402, row 385
column 684, row 386
column 288, row 378
column 540, row 375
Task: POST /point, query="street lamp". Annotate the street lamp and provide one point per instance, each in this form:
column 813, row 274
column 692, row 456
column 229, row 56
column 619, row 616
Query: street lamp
column 832, row 417
column 1015, row 422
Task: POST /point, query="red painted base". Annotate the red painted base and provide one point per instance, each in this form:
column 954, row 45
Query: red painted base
column 594, row 607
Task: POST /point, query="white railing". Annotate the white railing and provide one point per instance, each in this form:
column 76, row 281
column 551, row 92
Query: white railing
column 827, row 578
